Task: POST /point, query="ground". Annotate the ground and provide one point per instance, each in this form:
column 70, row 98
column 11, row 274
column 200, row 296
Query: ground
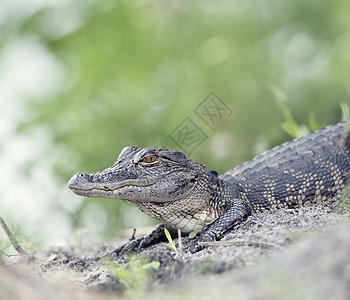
column 299, row 253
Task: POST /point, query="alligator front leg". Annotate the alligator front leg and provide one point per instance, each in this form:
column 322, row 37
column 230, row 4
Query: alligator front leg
column 237, row 212
column 155, row 236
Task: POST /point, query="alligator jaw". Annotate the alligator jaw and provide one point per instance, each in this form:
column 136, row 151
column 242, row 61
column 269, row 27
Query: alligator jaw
column 84, row 185
column 85, row 182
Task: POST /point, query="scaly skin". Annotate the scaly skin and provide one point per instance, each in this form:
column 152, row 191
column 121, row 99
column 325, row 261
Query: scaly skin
column 168, row 186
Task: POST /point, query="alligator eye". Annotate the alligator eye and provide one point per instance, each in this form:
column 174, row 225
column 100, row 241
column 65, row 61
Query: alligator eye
column 149, row 159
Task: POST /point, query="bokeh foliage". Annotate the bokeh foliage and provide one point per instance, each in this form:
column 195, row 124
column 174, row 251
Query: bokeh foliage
column 135, row 69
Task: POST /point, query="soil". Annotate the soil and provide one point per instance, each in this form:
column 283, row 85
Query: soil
column 283, row 254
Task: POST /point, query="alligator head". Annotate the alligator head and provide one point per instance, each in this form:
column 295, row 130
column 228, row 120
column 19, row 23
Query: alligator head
column 164, row 184
column 143, row 174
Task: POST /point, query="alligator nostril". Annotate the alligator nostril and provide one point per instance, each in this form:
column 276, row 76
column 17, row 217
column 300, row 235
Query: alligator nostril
column 76, row 180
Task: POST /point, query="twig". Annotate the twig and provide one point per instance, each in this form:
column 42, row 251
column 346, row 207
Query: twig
column 12, row 238
column 179, row 239
column 7, row 255
column 133, row 235
column 229, row 243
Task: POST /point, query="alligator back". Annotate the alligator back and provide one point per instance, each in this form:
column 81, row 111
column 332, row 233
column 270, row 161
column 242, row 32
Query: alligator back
column 307, row 169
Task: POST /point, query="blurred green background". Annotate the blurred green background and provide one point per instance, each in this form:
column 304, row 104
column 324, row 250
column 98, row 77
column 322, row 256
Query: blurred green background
column 79, row 80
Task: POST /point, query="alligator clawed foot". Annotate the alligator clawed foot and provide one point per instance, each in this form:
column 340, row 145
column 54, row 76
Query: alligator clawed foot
column 133, row 245
column 193, row 248
column 196, row 248
column 137, row 245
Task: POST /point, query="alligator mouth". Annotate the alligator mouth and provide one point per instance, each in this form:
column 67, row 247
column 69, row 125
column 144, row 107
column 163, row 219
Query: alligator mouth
column 82, row 185
column 110, row 189
column 80, row 181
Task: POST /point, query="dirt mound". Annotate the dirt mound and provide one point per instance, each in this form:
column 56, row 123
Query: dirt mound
column 306, row 250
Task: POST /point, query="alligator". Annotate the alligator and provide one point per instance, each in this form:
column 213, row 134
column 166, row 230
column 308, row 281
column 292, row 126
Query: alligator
column 169, row 186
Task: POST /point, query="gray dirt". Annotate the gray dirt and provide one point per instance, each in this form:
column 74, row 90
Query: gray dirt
column 299, row 253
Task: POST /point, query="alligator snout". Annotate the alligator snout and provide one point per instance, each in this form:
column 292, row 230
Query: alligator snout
column 79, row 180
